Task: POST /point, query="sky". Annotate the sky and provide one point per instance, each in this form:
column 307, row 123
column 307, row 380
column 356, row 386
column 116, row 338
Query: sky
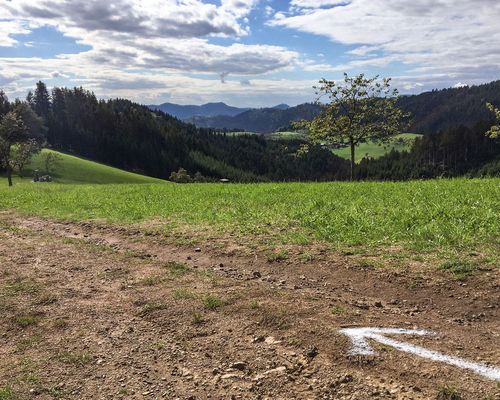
column 252, row 53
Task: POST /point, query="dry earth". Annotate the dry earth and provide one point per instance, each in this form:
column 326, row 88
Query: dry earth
column 96, row 311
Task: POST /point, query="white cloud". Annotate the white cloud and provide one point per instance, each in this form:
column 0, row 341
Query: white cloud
column 458, row 36
column 168, row 34
column 9, row 28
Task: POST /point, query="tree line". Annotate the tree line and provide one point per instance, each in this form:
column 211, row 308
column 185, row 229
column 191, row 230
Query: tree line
column 130, row 136
column 133, row 137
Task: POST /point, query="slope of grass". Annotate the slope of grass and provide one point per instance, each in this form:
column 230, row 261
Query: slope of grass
column 374, row 150
column 71, row 170
column 435, row 214
column 287, row 136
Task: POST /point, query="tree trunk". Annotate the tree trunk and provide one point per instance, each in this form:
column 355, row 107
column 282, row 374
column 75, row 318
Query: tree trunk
column 9, row 175
column 353, row 163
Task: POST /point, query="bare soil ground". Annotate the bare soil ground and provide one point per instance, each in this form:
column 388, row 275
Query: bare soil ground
column 95, row 311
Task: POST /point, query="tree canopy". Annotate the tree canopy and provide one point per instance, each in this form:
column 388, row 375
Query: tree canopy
column 21, row 132
column 357, row 109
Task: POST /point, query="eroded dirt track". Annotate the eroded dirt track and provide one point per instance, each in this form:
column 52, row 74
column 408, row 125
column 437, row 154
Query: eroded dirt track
column 94, row 311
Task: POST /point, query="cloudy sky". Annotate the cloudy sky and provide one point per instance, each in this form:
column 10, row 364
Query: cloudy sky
column 244, row 52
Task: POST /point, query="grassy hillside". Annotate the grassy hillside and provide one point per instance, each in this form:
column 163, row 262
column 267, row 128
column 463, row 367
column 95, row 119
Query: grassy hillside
column 374, row 150
column 438, row 214
column 287, row 136
column 75, row 170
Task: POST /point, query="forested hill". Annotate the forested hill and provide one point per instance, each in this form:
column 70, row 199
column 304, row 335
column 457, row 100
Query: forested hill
column 205, row 110
column 132, row 137
column 438, row 110
column 261, row 120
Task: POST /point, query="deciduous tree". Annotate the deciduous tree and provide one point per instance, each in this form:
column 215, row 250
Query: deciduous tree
column 358, row 109
column 18, row 127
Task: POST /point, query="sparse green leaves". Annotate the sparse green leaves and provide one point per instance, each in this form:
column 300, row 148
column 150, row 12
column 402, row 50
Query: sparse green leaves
column 494, row 131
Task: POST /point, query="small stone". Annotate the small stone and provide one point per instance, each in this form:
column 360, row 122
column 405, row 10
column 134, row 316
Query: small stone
column 272, row 340
column 229, row 376
column 258, row 339
column 197, row 250
column 279, row 370
column 239, row 365
column 256, row 274
column 312, row 352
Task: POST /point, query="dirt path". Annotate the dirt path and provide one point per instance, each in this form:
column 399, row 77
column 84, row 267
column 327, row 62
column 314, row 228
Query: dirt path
column 92, row 311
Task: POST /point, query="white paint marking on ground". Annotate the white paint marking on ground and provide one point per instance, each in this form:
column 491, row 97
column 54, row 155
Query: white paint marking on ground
column 360, row 346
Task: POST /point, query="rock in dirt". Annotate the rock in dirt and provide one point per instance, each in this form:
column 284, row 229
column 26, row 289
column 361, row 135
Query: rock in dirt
column 239, row 365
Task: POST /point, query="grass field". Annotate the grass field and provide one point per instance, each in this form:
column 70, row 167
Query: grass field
column 454, row 214
column 75, row 170
column 370, row 149
column 287, row 136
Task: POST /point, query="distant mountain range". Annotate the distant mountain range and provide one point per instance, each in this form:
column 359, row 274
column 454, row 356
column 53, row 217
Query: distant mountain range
column 184, row 112
column 187, row 112
column 431, row 112
column 259, row 120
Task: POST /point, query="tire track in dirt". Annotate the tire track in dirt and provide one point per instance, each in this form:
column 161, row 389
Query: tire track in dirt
column 277, row 337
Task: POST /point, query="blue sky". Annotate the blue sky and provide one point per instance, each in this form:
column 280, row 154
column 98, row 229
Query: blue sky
column 244, row 52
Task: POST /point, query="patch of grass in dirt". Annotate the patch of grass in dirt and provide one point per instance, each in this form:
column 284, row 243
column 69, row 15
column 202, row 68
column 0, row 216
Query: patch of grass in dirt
column 29, row 378
column 22, row 286
column 184, row 294
column 197, row 318
column 112, row 274
column 60, row 323
column 25, row 320
column 460, row 269
column 339, row 310
column 28, row 343
column 176, row 268
column 152, row 307
column 6, row 393
column 55, row 391
column 74, row 358
column 152, row 280
column 448, row 392
column 212, row 302
column 254, row 305
column 307, row 257
column 8, row 227
column 278, row 256
column 46, row 299
column 415, row 282
column 274, row 318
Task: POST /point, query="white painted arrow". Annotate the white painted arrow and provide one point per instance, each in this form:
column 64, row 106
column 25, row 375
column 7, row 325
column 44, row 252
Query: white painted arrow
column 360, row 346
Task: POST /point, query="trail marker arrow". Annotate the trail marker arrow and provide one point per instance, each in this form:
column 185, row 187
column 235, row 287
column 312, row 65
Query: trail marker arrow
column 360, row 346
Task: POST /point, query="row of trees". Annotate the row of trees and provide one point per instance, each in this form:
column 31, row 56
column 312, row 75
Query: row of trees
column 130, row 136
column 456, row 152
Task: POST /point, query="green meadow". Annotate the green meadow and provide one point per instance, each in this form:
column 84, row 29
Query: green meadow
column 74, row 170
column 375, row 150
column 460, row 214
